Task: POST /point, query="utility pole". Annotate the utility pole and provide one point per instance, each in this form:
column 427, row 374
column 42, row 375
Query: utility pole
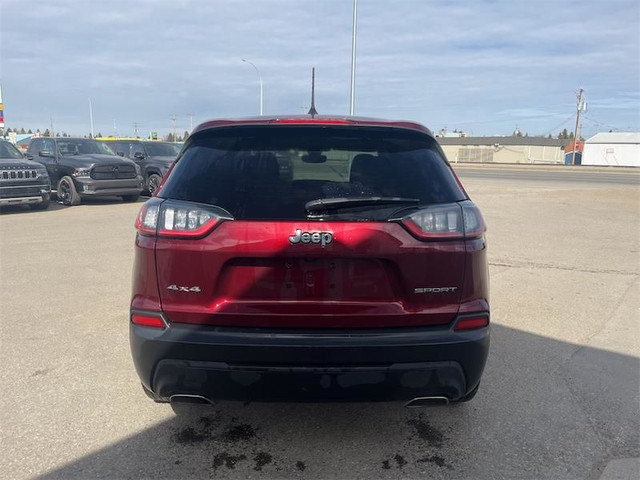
column 173, row 119
column 135, row 128
column 51, row 121
column 352, row 95
column 190, row 122
column 576, row 133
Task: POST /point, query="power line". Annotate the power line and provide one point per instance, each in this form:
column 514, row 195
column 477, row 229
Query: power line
column 600, row 124
column 560, row 125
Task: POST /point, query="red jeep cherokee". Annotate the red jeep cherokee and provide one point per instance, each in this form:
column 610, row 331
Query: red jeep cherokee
column 358, row 272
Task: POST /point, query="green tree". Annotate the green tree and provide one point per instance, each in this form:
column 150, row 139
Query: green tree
column 571, row 136
column 563, row 135
column 22, row 132
column 170, row 138
column 30, row 132
column 99, row 135
column 46, row 133
column 185, row 136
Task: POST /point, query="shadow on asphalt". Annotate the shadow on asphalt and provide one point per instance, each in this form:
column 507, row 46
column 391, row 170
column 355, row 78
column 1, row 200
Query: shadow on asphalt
column 546, row 409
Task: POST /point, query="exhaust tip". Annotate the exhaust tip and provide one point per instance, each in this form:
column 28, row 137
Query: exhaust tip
column 420, row 402
column 185, row 398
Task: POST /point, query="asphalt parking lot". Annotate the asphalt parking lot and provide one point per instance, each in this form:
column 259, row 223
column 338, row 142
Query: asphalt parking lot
column 559, row 399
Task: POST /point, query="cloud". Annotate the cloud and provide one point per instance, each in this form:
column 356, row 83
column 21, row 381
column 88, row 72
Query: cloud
column 482, row 65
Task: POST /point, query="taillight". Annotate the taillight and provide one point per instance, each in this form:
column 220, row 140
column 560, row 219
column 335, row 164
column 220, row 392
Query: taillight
column 471, row 322
column 449, row 221
column 148, row 320
column 168, row 218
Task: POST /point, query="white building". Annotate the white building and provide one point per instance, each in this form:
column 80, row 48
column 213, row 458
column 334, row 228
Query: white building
column 619, row 149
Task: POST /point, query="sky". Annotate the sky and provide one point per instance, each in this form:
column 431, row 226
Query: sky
column 484, row 66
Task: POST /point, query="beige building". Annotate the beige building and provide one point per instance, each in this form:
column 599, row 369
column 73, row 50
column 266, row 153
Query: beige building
column 503, row 149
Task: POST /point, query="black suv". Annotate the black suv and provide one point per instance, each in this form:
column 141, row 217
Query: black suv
column 80, row 168
column 154, row 158
column 22, row 182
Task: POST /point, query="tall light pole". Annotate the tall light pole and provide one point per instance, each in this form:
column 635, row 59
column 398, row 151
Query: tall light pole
column 352, row 95
column 91, row 117
column 259, row 78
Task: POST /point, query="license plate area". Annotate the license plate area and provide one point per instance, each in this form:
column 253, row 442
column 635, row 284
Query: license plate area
column 305, row 279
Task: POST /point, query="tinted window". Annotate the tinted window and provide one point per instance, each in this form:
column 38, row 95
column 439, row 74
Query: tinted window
column 157, row 149
column 273, row 171
column 136, row 147
column 119, row 147
column 48, row 145
column 35, row 146
column 9, row 151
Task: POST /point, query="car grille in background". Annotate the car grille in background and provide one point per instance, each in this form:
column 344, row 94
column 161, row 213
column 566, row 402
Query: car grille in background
column 110, row 172
column 18, row 174
column 12, row 192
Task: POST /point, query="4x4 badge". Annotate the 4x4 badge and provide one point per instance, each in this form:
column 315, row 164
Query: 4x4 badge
column 179, row 288
column 322, row 238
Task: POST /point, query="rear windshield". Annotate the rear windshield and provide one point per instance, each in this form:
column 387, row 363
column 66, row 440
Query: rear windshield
column 272, row 172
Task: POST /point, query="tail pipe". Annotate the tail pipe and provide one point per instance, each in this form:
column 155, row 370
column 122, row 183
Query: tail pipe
column 420, row 402
column 190, row 399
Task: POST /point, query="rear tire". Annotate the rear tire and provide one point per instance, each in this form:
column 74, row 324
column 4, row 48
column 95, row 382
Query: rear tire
column 131, row 198
column 67, row 193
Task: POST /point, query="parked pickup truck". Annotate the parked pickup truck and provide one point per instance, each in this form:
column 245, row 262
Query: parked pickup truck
column 22, row 182
column 81, row 168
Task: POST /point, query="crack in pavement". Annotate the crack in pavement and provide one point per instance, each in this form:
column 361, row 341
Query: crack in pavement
column 560, row 267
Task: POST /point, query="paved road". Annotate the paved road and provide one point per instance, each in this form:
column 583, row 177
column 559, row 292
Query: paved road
column 559, row 398
column 549, row 174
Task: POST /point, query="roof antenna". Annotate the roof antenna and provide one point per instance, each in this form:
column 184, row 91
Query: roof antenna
column 312, row 111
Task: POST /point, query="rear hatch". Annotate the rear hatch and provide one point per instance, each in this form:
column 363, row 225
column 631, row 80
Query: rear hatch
column 365, row 230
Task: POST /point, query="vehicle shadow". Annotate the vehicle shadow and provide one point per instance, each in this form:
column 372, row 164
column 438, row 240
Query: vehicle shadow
column 546, row 409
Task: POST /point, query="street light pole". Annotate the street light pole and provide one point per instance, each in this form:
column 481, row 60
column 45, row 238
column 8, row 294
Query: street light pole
column 91, row 117
column 352, row 95
column 259, row 78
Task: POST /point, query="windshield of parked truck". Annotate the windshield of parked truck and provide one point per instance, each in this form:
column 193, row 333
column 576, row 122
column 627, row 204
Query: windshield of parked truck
column 82, row 146
column 157, row 149
column 9, row 151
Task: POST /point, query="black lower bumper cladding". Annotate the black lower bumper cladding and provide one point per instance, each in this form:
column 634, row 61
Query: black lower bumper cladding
column 312, row 366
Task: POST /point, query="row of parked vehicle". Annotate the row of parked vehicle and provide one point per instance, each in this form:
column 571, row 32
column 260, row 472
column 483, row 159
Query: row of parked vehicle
column 77, row 168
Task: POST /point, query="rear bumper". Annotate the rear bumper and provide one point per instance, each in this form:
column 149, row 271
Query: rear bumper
column 285, row 365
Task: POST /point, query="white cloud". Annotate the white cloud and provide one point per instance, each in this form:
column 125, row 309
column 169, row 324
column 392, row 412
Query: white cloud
column 486, row 65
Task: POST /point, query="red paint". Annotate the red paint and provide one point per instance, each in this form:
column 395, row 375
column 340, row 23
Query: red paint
column 249, row 274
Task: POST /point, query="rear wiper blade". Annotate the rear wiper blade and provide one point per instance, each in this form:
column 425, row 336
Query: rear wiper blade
column 326, row 204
